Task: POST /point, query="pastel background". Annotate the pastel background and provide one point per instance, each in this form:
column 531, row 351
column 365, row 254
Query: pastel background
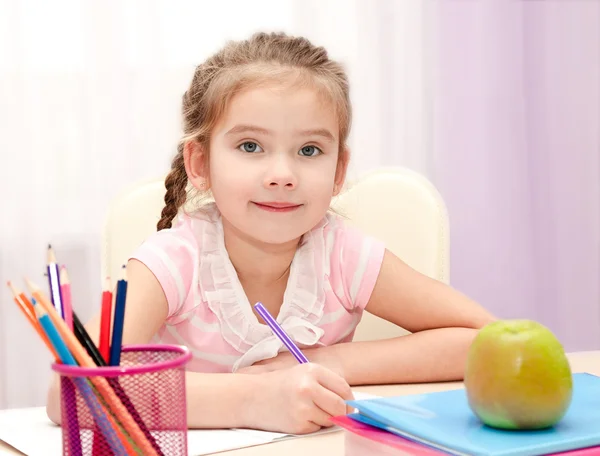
column 497, row 102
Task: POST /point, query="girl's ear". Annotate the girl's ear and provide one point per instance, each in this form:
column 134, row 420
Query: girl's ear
column 341, row 170
column 196, row 165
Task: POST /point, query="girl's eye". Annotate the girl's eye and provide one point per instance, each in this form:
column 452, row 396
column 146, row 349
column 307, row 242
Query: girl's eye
column 250, row 147
column 310, row 151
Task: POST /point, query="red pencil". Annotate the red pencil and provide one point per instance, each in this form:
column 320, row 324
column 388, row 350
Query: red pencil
column 105, row 319
column 65, row 290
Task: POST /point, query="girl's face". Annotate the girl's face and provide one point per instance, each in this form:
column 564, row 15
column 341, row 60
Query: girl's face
column 273, row 162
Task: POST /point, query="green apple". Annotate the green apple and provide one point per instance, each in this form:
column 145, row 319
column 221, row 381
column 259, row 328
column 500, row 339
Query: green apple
column 517, row 376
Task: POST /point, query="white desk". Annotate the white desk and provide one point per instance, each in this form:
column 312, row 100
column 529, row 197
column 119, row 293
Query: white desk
column 333, row 444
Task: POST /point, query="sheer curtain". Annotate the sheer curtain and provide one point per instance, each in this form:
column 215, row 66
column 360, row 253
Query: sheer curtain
column 516, row 151
column 90, row 103
column 383, row 44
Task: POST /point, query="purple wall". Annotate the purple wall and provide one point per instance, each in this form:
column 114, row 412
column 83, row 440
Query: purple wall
column 517, row 157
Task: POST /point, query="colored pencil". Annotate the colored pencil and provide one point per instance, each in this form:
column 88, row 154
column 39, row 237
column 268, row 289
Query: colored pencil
column 99, row 382
column 65, row 289
column 99, row 385
column 99, row 442
column 87, row 342
column 105, row 412
column 279, row 332
column 101, row 418
column 67, row 389
column 54, row 282
column 105, row 320
column 90, row 347
column 118, row 319
column 27, row 308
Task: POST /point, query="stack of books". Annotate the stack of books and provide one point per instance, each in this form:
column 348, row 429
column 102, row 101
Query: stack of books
column 442, row 423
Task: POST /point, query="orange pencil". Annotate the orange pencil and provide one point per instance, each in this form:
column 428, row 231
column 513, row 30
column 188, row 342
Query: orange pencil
column 82, row 359
column 100, row 383
column 27, row 308
column 22, row 301
column 105, row 320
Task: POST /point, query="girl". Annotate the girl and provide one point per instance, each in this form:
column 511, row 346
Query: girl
column 266, row 123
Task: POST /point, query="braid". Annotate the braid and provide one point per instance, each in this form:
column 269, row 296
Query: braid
column 175, row 196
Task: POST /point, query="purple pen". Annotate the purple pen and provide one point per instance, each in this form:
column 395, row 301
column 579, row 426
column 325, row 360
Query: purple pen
column 279, row 332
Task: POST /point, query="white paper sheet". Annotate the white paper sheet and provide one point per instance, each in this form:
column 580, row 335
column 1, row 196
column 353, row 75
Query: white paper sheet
column 30, row 431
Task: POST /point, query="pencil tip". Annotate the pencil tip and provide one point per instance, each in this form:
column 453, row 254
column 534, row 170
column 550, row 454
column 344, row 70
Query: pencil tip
column 123, row 272
column 12, row 288
column 64, row 275
column 51, row 256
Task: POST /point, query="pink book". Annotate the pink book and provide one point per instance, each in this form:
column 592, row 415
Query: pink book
column 595, row 450
column 364, row 440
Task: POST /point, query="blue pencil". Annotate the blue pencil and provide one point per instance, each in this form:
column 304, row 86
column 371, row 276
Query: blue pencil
column 86, row 391
column 117, row 334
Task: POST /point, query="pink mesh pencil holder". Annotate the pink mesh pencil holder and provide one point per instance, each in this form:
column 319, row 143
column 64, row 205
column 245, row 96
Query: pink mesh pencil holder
column 138, row 407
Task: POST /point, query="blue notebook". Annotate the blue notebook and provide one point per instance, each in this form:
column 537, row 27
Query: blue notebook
column 443, row 420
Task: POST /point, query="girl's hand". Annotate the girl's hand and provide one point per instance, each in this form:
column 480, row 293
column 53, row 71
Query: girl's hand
column 299, row 399
column 281, row 361
column 324, row 356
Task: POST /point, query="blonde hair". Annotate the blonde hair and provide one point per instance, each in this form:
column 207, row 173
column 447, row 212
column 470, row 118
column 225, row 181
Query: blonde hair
column 263, row 58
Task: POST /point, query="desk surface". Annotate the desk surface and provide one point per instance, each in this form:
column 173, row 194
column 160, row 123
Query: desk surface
column 333, row 444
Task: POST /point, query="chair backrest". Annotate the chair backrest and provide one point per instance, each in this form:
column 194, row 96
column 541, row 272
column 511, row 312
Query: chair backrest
column 403, row 209
column 396, row 205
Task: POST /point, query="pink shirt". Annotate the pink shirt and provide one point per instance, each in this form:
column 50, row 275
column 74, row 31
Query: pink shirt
column 331, row 279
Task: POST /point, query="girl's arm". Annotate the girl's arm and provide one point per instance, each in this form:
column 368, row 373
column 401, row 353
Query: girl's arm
column 227, row 400
column 443, row 323
column 146, row 311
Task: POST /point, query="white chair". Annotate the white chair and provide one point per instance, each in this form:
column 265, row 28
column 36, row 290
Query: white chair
column 403, row 209
column 396, row 205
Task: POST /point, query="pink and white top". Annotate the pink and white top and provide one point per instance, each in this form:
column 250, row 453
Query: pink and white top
column 331, row 279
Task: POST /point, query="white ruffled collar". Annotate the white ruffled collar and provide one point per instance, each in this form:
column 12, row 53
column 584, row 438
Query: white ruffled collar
column 303, row 301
